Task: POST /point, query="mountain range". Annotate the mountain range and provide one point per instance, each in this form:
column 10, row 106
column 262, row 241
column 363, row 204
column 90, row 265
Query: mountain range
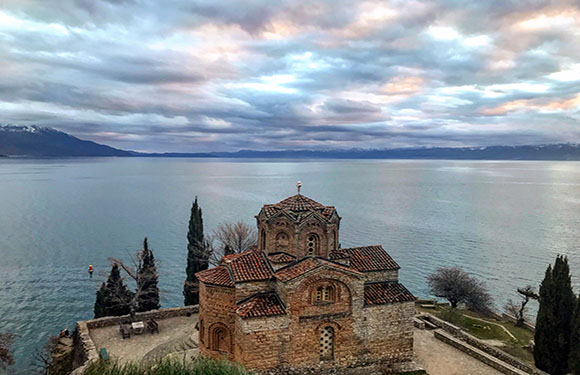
column 35, row 141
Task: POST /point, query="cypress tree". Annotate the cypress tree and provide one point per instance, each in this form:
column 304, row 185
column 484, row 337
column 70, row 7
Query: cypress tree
column 557, row 304
column 574, row 358
column 197, row 255
column 148, row 298
column 116, row 295
column 100, row 302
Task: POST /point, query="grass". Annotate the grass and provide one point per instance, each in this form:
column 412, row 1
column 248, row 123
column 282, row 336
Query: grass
column 465, row 320
column 199, row 366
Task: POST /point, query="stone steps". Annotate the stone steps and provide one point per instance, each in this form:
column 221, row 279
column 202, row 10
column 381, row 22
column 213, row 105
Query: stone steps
column 477, row 353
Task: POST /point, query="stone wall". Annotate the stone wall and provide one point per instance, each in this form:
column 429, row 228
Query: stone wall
column 389, row 330
column 296, row 234
column 248, row 289
column 261, row 342
column 380, row 276
column 217, row 311
column 373, row 335
column 493, row 351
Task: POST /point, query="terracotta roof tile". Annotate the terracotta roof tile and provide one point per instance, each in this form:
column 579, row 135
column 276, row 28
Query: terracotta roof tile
column 216, row 276
column 297, row 206
column 260, row 305
column 281, row 257
column 305, row 265
column 387, row 292
column 366, row 258
column 249, row 266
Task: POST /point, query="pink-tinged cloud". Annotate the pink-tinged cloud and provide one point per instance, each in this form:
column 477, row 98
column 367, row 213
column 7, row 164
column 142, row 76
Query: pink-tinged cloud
column 219, row 75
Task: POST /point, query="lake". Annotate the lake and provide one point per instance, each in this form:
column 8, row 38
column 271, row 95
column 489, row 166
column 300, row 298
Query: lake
column 501, row 221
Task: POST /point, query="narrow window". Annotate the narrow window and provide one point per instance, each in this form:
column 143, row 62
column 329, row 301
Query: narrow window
column 319, row 294
column 263, row 240
column 327, row 344
column 325, row 294
column 201, row 330
column 312, row 244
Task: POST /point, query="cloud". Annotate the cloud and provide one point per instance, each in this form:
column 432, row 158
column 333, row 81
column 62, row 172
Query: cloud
column 215, row 75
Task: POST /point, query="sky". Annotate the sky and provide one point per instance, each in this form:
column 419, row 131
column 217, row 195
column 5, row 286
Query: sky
column 196, row 76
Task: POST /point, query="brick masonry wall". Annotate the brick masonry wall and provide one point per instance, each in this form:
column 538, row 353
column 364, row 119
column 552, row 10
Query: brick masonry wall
column 297, row 235
column 217, row 309
column 379, row 276
column 389, row 330
column 245, row 290
column 262, row 342
column 362, row 335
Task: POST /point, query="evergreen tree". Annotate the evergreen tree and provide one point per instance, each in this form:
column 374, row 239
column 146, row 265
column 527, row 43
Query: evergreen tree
column 117, row 298
column 148, row 297
column 557, row 304
column 100, row 302
column 197, row 255
column 574, row 358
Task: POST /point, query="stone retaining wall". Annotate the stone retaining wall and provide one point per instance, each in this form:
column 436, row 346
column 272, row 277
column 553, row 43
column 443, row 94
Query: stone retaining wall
column 471, row 340
column 480, row 355
column 85, row 351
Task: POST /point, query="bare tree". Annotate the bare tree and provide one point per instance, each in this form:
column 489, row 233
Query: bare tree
column 235, row 238
column 6, row 358
column 142, row 280
column 519, row 310
column 458, row 287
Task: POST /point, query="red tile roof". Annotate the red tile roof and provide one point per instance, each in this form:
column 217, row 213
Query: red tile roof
column 366, row 258
column 216, row 276
column 387, row 292
column 249, row 266
column 305, row 265
column 298, row 205
column 281, row 257
column 259, row 305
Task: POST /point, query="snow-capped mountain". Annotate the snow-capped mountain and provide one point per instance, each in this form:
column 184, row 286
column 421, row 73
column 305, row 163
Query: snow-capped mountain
column 36, row 141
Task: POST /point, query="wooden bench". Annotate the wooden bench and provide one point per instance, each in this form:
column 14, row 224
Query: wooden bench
column 103, row 354
column 125, row 331
column 153, row 326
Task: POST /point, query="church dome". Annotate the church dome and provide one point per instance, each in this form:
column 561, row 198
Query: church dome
column 298, row 206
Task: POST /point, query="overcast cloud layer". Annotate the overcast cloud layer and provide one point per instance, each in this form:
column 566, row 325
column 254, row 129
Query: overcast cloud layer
column 178, row 75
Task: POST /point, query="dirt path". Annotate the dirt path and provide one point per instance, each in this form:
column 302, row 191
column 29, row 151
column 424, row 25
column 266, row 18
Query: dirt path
column 495, row 324
column 438, row 358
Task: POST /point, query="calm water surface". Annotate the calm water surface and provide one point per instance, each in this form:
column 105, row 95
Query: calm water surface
column 501, row 221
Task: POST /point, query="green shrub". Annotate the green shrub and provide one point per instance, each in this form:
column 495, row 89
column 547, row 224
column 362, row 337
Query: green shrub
column 199, row 366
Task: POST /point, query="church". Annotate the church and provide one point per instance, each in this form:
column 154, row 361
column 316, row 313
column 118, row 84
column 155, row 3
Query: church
column 299, row 301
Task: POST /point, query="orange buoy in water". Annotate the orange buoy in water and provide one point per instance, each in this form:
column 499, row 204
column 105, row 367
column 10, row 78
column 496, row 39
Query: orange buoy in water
column 91, row 270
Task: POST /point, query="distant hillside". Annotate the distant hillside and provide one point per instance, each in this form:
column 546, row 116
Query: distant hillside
column 37, row 141
column 543, row 152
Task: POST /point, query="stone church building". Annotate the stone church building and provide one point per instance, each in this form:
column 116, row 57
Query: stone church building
column 299, row 301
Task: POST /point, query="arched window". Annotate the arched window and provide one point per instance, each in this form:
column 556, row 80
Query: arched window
column 201, row 331
column 220, row 339
column 312, row 244
column 327, row 344
column 335, row 235
column 263, row 238
column 325, row 294
column 282, row 242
